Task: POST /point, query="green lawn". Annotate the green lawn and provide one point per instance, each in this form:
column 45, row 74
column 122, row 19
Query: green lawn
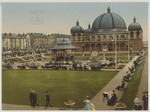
column 131, row 90
column 60, row 84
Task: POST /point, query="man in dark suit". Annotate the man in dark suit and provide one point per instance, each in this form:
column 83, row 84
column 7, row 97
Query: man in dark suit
column 145, row 100
column 47, row 100
column 31, row 97
column 114, row 97
column 34, row 99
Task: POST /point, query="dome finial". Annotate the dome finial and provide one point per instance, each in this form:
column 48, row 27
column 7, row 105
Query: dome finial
column 89, row 26
column 134, row 20
column 77, row 23
column 108, row 10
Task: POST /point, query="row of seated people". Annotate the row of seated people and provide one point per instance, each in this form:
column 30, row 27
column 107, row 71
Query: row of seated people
column 55, row 63
column 121, row 86
column 127, row 77
column 111, row 96
column 129, row 74
column 62, row 66
column 54, row 67
column 66, row 66
column 66, row 58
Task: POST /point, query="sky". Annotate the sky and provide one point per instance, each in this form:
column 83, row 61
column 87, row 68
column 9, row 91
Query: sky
column 59, row 17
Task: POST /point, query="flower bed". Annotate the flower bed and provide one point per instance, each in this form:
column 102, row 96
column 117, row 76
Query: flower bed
column 113, row 67
column 123, row 61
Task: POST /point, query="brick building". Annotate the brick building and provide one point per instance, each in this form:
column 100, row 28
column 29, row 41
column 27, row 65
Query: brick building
column 108, row 33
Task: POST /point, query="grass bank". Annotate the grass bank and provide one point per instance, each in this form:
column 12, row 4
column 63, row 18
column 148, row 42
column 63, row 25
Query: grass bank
column 130, row 91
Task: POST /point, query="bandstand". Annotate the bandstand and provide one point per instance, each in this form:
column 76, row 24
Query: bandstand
column 62, row 50
column 62, row 58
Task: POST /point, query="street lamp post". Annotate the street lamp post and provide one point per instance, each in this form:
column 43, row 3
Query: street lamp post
column 115, row 51
column 128, row 49
column 114, row 37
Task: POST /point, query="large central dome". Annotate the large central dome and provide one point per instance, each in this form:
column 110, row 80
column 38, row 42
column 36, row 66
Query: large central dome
column 108, row 21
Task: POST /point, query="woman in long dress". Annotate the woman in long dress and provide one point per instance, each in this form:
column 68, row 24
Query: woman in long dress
column 88, row 103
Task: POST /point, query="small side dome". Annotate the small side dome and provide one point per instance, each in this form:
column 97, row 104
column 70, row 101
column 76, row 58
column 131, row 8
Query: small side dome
column 77, row 28
column 89, row 30
column 134, row 25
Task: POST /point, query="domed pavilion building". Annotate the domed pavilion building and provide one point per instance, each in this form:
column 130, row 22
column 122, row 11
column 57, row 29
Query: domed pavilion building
column 108, row 33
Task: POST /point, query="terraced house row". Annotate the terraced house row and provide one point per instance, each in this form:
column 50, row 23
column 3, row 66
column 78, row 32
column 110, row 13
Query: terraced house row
column 12, row 41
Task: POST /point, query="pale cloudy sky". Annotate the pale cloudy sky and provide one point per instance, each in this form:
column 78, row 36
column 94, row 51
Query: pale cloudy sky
column 60, row 17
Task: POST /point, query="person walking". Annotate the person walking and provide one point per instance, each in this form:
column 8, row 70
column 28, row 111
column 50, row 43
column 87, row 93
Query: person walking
column 47, row 100
column 34, row 99
column 88, row 103
column 145, row 100
column 31, row 96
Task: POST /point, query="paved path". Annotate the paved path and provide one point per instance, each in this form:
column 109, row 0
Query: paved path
column 144, row 80
column 98, row 99
column 25, row 107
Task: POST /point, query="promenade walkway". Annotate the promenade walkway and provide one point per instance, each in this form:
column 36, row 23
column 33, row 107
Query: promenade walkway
column 98, row 99
column 25, row 107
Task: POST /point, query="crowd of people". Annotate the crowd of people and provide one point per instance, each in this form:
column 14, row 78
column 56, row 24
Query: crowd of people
column 64, row 58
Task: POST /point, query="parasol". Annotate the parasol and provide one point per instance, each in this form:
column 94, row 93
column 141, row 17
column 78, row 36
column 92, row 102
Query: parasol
column 137, row 100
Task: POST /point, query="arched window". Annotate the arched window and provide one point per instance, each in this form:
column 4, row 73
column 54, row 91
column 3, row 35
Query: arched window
column 131, row 35
column 138, row 34
column 110, row 47
column 104, row 47
column 99, row 47
column 87, row 47
column 93, row 47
